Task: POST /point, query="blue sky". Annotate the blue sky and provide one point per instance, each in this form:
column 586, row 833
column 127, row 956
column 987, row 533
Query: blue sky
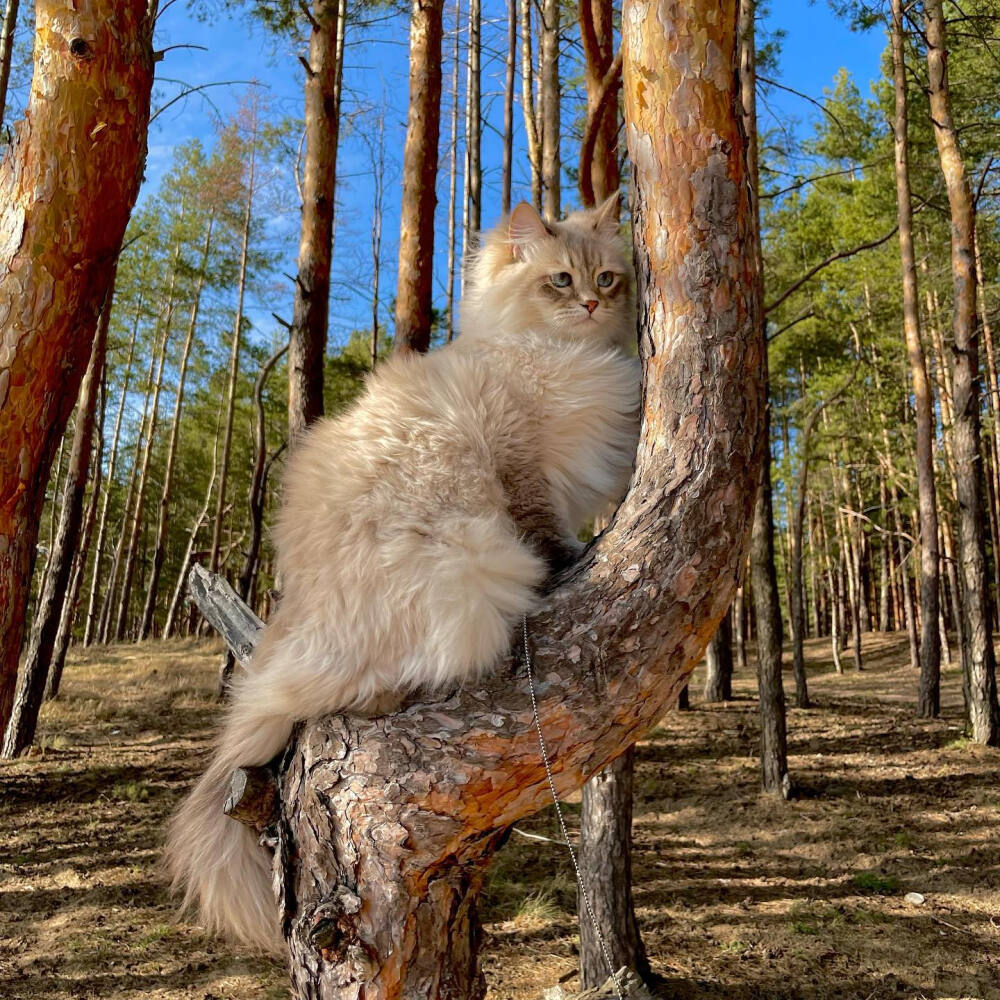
column 815, row 47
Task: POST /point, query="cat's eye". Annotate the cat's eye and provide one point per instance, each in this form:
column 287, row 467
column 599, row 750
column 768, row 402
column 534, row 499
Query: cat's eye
column 605, row 279
column 562, row 280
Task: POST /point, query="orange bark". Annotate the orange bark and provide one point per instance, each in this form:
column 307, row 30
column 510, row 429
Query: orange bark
column 67, row 186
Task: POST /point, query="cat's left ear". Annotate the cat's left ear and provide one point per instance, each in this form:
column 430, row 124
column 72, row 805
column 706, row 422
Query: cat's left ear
column 525, row 228
column 606, row 215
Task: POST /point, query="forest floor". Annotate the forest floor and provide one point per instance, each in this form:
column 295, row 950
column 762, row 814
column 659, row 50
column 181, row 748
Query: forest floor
column 739, row 896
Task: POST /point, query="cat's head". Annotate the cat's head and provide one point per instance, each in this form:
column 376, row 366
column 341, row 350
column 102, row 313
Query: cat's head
column 568, row 278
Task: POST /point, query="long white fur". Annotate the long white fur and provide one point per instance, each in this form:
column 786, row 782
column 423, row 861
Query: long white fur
column 401, row 566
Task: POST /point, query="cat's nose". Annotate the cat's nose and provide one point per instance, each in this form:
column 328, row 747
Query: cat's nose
column 591, row 305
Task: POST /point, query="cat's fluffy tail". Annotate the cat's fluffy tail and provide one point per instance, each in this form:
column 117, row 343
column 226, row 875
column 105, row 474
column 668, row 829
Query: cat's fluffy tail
column 217, row 862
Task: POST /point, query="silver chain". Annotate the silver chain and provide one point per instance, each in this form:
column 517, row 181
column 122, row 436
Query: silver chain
column 559, row 815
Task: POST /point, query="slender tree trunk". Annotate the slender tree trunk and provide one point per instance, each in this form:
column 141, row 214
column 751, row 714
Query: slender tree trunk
column 550, row 108
column 453, row 177
column 234, row 358
column 929, row 698
column 984, row 711
column 532, row 125
column 510, row 72
column 307, row 338
column 108, row 605
column 7, row 51
column 763, row 578
column 420, row 162
column 740, row 628
column 377, row 151
column 472, row 207
column 719, row 662
column 163, row 518
column 35, row 670
column 74, row 237
column 91, row 625
column 606, row 870
column 121, row 621
column 56, row 482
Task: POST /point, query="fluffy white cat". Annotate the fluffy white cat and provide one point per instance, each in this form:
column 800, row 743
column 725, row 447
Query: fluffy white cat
column 418, row 526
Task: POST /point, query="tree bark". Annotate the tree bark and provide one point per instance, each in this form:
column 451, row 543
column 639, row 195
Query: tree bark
column 453, row 178
column 473, row 176
column 420, row 162
column 93, row 71
column 35, row 669
column 929, row 696
column 984, row 712
column 719, row 662
column 381, row 901
column 307, row 340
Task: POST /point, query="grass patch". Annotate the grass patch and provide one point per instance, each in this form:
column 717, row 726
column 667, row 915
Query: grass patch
column 881, row 885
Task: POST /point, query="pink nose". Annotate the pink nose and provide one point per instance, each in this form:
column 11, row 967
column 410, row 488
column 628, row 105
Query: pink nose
column 591, row 305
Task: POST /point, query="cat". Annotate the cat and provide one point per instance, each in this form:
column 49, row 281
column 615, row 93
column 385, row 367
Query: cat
column 418, row 527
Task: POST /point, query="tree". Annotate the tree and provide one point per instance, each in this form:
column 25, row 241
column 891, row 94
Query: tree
column 307, row 338
column 929, row 698
column 420, row 160
column 719, row 662
column 34, row 673
column 109, row 65
column 977, row 632
column 550, row 105
column 401, row 921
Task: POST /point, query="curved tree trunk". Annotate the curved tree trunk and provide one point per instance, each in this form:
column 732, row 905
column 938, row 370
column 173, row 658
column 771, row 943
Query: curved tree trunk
column 388, row 824
column 93, row 71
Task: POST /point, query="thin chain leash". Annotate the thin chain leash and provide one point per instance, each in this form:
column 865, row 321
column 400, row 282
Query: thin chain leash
column 559, row 814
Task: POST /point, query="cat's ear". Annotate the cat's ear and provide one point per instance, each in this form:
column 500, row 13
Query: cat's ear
column 605, row 218
column 525, row 228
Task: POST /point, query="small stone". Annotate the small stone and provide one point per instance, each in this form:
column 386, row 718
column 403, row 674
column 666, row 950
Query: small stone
column 914, row 899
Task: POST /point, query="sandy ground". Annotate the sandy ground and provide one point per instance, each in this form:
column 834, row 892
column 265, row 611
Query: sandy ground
column 738, row 895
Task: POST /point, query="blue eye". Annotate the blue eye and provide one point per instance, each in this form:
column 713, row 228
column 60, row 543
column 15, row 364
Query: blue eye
column 605, row 279
column 562, row 280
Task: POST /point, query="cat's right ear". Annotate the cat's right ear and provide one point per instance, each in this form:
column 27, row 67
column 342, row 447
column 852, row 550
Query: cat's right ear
column 525, row 228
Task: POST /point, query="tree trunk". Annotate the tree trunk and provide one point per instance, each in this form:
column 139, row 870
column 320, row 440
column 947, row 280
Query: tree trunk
column 453, row 179
column 234, row 356
column 35, row 669
column 984, row 712
column 606, row 869
column 763, row 578
column 381, row 903
column 96, row 56
column 740, row 627
column 131, row 555
column 91, row 625
column 510, row 69
column 719, row 662
column 550, row 108
column 307, row 338
column 532, row 126
column 163, row 518
column 929, row 698
column 598, row 175
column 7, row 51
column 420, row 161
column 473, row 176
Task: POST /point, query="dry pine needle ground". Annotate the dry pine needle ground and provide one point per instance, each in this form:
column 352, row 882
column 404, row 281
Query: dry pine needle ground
column 738, row 896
